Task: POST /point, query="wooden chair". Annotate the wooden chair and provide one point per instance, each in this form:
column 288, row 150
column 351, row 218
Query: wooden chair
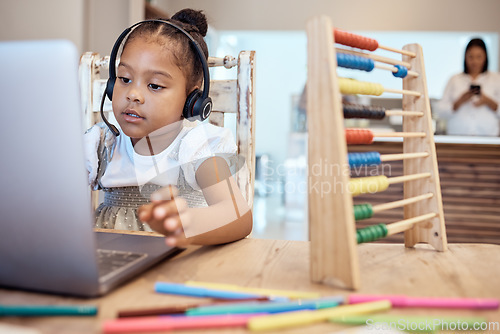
column 236, row 96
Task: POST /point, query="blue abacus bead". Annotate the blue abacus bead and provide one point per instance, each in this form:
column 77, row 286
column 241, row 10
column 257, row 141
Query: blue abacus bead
column 363, row 159
column 351, row 159
column 370, row 64
column 374, row 158
column 341, row 60
column 401, row 73
column 355, row 62
column 355, row 159
column 344, row 60
column 365, row 64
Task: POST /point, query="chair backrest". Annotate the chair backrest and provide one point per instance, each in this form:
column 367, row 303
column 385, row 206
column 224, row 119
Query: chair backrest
column 235, row 96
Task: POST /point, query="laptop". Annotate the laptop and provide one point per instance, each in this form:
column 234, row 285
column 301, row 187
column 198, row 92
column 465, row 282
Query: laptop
column 47, row 240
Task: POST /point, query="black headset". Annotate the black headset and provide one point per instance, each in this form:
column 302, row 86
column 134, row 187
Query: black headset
column 198, row 104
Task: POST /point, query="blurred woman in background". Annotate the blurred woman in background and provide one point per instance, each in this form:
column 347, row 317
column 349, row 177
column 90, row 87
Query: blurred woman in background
column 471, row 99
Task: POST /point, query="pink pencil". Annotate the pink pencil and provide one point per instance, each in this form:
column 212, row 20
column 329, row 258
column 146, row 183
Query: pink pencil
column 428, row 302
column 165, row 323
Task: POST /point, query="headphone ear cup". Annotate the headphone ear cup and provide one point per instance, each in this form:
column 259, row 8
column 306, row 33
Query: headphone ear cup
column 110, row 85
column 203, row 108
column 189, row 111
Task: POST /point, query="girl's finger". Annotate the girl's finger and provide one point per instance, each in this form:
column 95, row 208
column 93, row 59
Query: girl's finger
column 180, row 241
column 173, row 223
column 171, row 241
column 165, row 209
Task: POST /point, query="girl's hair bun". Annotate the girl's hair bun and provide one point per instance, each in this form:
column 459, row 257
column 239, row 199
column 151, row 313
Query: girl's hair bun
column 193, row 17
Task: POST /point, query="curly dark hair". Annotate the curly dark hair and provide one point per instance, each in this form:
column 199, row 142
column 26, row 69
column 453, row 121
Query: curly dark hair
column 193, row 22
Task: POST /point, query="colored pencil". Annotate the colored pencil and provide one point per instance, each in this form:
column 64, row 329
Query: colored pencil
column 429, row 302
column 47, row 310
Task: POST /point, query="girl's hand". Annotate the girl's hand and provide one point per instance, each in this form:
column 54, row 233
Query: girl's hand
column 167, row 214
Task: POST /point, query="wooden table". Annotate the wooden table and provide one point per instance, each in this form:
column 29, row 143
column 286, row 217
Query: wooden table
column 466, row 270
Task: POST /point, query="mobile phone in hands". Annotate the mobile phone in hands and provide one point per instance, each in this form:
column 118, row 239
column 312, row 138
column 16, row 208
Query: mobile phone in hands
column 476, row 89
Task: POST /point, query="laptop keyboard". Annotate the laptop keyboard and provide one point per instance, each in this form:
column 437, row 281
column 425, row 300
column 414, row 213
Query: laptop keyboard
column 112, row 262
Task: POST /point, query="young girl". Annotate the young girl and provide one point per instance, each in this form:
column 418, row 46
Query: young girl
column 157, row 148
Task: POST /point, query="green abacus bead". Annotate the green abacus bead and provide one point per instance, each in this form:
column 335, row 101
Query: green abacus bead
column 359, row 236
column 380, row 231
column 362, row 235
column 362, row 211
column 384, row 230
column 371, row 233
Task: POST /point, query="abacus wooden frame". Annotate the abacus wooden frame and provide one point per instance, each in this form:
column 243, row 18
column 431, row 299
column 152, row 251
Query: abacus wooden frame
column 334, row 257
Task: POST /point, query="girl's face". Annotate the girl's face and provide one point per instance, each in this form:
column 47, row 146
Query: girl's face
column 150, row 90
column 475, row 58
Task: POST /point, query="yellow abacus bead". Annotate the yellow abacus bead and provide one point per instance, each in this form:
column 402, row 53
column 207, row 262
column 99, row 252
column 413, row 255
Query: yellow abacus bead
column 351, row 87
column 368, row 185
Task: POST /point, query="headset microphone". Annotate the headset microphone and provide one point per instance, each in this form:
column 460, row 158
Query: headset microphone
column 111, row 127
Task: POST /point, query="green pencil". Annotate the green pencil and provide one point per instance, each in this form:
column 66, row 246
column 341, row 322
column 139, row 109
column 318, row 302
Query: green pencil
column 46, row 310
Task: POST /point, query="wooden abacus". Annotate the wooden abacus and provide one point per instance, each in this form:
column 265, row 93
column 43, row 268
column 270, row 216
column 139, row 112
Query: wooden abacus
column 333, row 234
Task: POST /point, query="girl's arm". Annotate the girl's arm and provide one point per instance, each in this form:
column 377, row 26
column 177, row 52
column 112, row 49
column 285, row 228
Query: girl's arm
column 227, row 217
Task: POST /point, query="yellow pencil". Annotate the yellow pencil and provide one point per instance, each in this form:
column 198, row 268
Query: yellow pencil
column 260, row 291
column 301, row 318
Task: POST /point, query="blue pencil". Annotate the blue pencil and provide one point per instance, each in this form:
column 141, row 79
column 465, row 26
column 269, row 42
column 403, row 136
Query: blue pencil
column 267, row 307
column 181, row 289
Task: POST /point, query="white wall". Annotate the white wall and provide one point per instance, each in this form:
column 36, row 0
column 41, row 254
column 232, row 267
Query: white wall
column 277, row 78
column 34, row 19
column 93, row 25
column 107, row 19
